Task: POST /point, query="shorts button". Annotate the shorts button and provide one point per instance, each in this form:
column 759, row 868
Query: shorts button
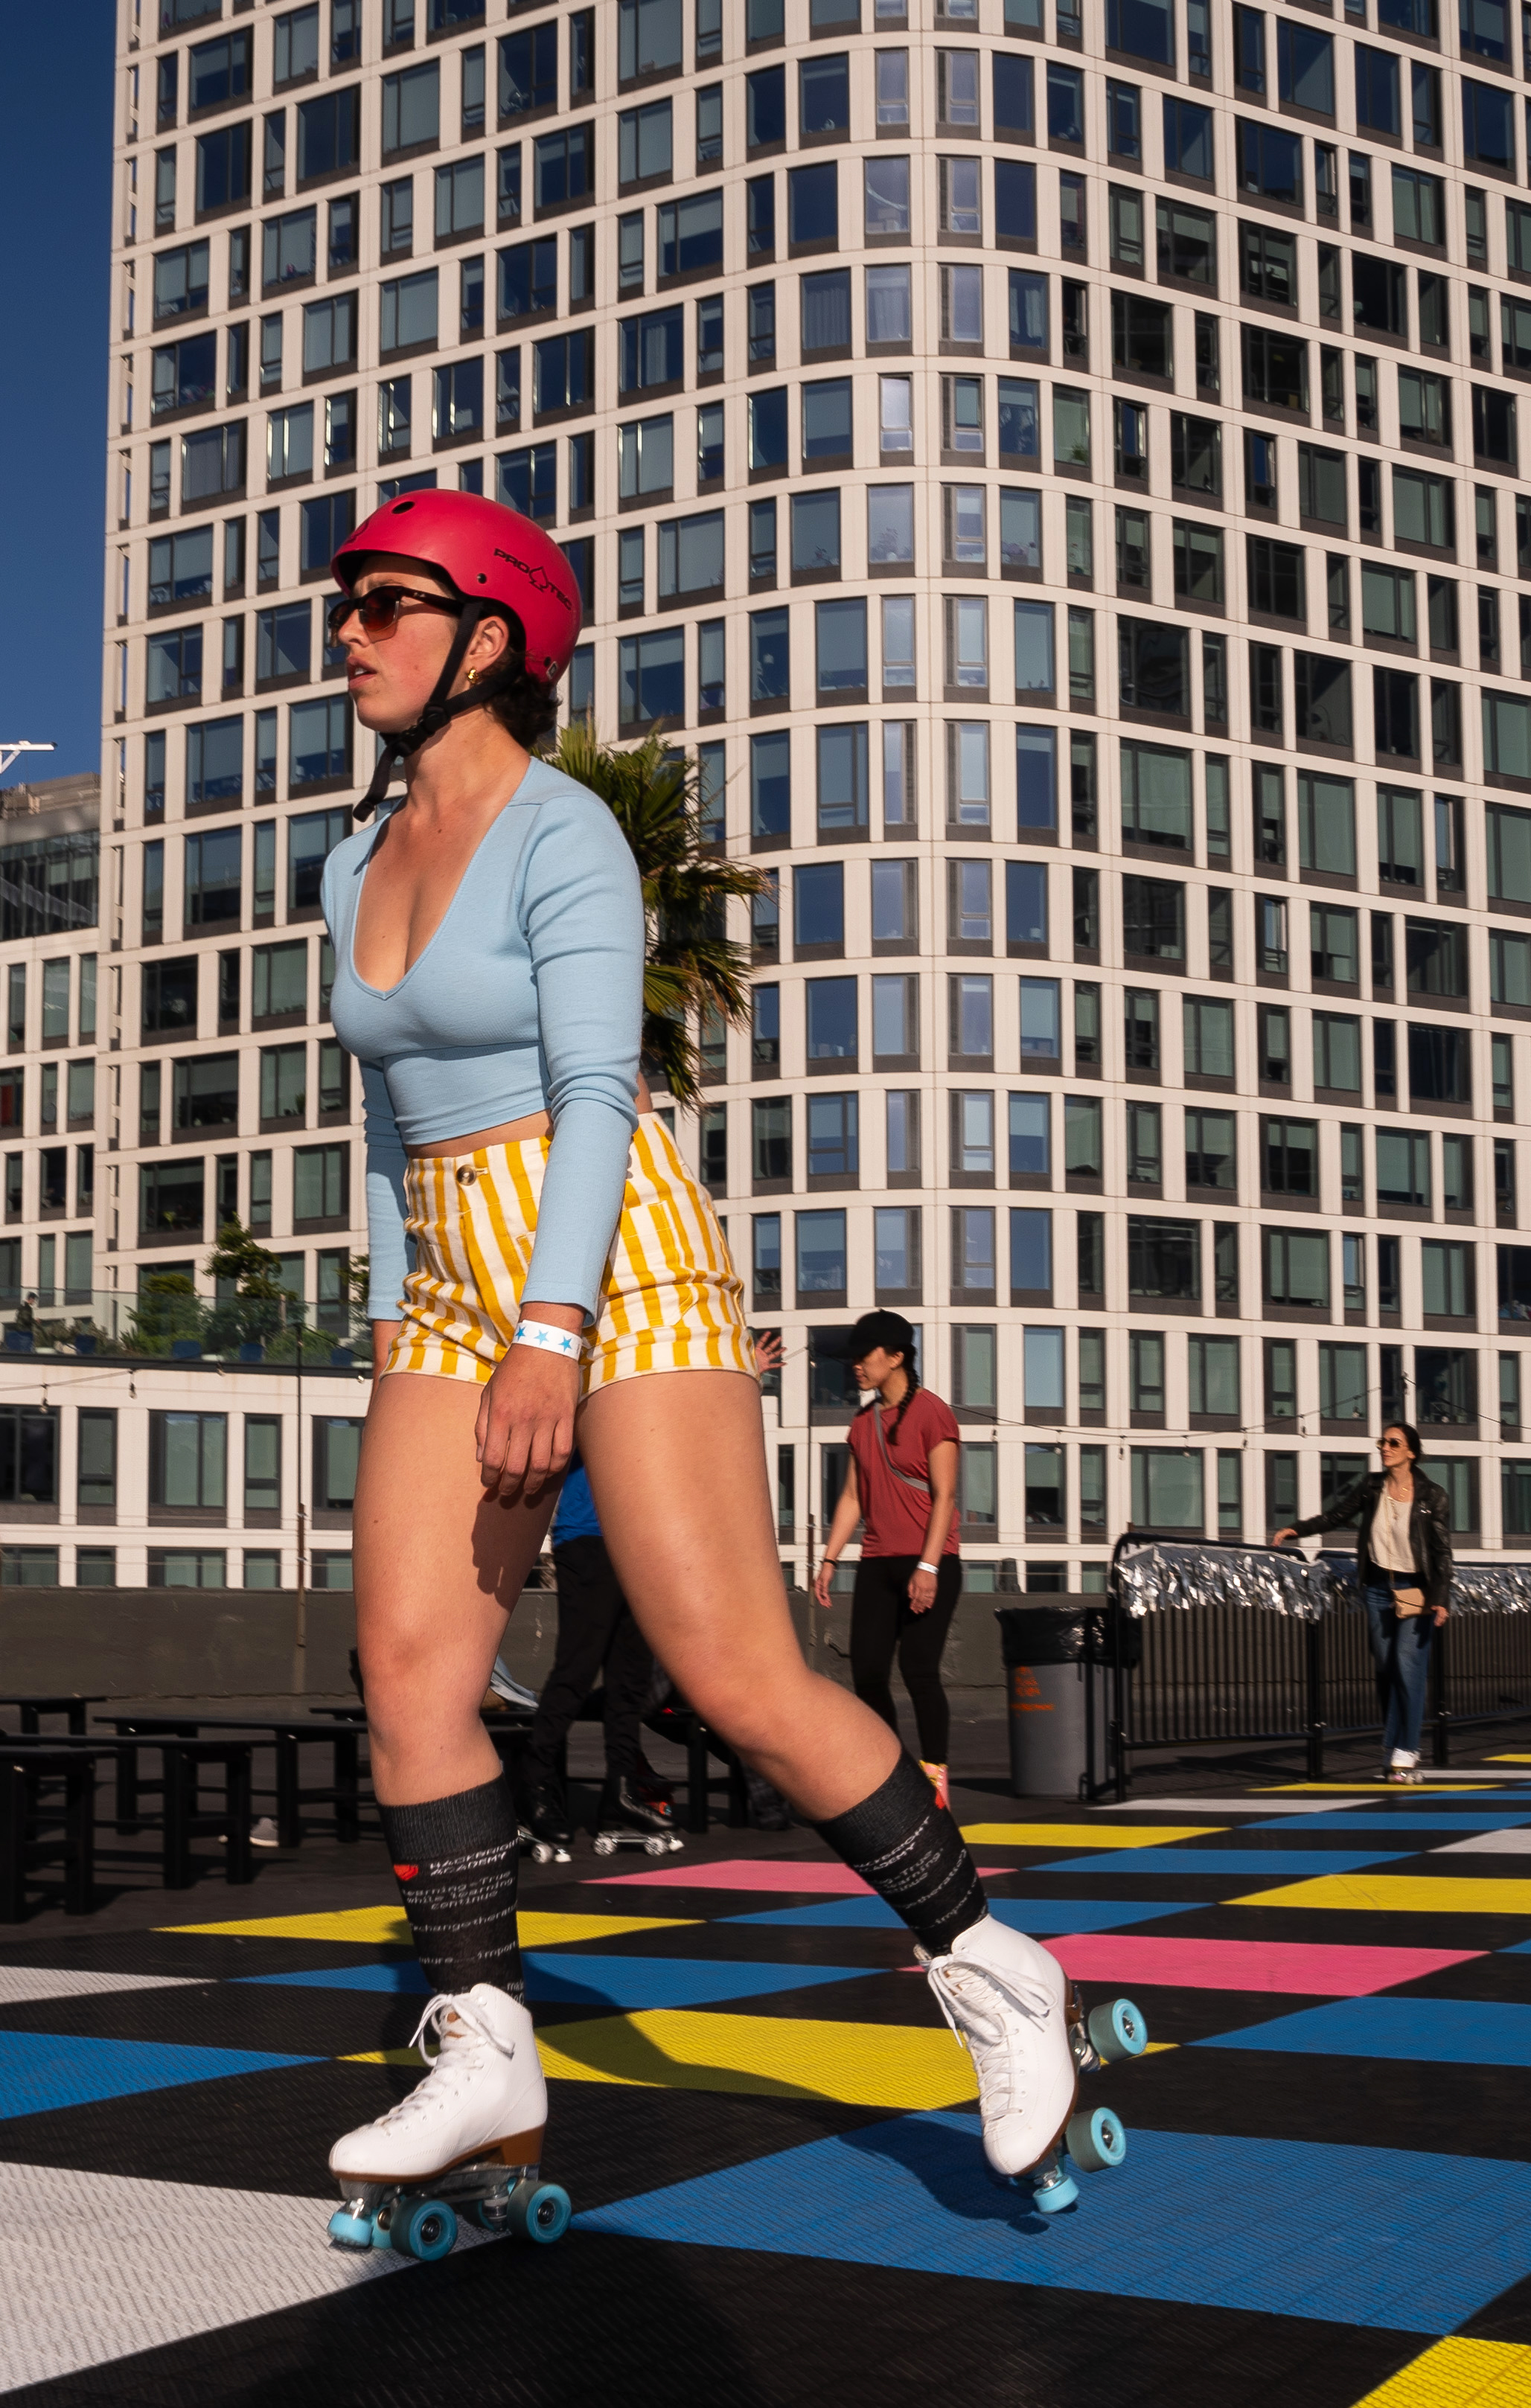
column 466, row 1175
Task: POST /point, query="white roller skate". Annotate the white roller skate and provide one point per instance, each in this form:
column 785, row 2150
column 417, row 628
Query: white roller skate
column 1015, row 2011
column 471, row 2133
column 1405, row 1766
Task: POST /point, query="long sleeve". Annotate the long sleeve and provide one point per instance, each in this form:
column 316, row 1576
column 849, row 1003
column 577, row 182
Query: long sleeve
column 388, row 1246
column 581, row 910
column 1338, row 1515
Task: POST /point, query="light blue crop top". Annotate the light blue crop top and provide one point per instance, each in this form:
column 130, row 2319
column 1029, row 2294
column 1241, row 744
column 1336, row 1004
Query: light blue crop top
column 527, row 999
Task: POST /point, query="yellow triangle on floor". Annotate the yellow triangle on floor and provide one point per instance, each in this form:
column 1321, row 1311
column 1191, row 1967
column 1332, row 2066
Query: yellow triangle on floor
column 1083, row 1835
column 1399, row 1894
column 385, row 1927
column 1458, row 2373
column 1509, row 1760
column 774, row 2056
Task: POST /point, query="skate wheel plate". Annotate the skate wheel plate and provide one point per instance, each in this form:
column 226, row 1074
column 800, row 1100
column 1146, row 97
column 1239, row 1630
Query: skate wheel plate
column 349, row 2231
column 538, row 2211
column 425, row 2228
column 1095, row 2141
column 1118, row 2030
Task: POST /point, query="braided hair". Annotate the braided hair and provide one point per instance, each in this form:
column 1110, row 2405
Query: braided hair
column 911, row 1379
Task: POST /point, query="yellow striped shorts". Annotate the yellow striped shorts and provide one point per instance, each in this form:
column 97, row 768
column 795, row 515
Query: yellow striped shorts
column 670, row 1300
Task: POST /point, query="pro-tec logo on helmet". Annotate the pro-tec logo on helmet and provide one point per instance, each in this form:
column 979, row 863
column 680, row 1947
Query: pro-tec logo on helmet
column 539, row 577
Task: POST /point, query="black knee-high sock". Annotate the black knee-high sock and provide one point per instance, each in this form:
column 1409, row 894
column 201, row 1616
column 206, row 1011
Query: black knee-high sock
column 456, row 1863
column 912, row 1853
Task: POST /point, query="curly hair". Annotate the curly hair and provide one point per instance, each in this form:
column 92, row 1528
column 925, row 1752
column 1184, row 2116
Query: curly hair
column 526, row 706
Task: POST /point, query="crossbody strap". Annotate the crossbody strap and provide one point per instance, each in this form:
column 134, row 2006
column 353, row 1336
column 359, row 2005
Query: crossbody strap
column 923, row 1486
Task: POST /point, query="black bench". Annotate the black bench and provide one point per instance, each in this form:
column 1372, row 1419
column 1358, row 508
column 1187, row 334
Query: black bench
column 182, row 1761
column 68, row 1703
column 27, row 1817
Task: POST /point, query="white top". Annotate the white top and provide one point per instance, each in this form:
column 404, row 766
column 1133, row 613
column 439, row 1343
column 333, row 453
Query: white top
column 1390, row 1547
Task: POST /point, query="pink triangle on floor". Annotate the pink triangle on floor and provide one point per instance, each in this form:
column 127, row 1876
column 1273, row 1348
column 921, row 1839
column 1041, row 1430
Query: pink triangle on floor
column 804, row 1877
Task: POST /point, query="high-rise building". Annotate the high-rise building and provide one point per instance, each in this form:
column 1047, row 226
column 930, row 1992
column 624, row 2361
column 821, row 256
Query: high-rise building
column 1058, row 469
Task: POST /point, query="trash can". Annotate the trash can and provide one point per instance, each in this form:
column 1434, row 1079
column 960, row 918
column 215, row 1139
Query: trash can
column 1045, row 1649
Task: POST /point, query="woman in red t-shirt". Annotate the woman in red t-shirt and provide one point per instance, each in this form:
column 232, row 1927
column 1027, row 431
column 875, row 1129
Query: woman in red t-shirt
column 902, row 1485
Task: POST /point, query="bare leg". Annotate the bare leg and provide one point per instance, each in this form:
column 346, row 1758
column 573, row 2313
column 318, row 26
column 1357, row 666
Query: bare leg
column 437, row 1569
column 678, row 1472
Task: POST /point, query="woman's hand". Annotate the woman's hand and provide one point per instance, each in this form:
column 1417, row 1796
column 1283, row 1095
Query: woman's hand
column 1439, row 1612
column 921, row 1591
column 525, row 1432
column 821, row 1584
column 1281, row 1537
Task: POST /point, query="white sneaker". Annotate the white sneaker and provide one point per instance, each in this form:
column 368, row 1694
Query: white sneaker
column 1405, row 1766
column 1006, row 2000
column 485, row 2097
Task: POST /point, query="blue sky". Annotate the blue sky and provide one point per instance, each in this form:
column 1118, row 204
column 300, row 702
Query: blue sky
column 56, row 67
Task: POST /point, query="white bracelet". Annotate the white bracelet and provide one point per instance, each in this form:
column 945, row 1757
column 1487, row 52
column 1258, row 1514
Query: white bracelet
column 549, row 1339
column 934, row 1569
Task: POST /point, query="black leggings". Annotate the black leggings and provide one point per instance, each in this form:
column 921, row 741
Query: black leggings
column 881, row 1620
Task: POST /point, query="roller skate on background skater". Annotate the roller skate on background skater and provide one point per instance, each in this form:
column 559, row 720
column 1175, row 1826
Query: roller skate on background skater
column 636, row 1811
column 468, row 2137
column 545, row 1834
column 1015, row 2011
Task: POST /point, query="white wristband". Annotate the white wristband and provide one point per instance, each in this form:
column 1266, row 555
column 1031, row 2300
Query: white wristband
column 549, row 1339
column 934, row 1569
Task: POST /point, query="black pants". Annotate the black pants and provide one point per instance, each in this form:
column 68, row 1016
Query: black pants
column 883, row 1620
column 596, row 1629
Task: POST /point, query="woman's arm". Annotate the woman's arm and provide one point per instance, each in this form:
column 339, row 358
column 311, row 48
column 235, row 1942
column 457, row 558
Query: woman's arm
column 581, row 910
column 1337, row 1517
column 848, row 1513
column 941, row 1471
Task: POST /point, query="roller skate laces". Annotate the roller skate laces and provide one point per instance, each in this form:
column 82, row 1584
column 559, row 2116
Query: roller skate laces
column 936, row 1775
column 1011, row 2017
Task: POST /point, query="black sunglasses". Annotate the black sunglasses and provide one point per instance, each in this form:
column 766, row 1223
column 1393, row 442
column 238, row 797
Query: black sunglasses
column 379, row 609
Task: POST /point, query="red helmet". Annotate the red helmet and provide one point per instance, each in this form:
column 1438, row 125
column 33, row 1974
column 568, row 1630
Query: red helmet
column 489, row 554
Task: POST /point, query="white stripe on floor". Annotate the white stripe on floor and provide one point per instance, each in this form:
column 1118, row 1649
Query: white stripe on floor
column 1487, row 1843
column 93, row 2266
column 18, row 1984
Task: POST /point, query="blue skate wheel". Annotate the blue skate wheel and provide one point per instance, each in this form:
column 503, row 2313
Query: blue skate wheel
column 1051, row 2197
column 350, row 2231
column 1095, row 2141
column 540, row 2211
column 424, row 2229
column 1118, row 2030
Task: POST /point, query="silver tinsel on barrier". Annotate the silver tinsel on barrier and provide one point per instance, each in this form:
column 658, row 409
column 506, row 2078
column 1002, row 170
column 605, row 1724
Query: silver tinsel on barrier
column 1160, row 1577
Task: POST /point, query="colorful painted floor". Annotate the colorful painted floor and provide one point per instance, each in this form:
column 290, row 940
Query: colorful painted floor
column 769, row 2140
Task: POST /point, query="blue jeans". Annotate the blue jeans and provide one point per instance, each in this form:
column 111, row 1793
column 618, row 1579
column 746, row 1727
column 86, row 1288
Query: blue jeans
column 1401, row 1647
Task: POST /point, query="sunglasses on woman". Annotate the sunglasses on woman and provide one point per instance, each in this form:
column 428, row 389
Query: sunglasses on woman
column 377, row 610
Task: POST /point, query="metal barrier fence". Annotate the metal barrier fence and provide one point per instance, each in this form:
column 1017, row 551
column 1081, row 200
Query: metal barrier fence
column 1217, row 1641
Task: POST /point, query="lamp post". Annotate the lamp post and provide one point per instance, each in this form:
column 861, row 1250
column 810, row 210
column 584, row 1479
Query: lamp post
column 11, row 749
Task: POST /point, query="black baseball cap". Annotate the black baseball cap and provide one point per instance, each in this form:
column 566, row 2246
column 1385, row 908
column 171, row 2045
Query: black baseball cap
column 888, row 1330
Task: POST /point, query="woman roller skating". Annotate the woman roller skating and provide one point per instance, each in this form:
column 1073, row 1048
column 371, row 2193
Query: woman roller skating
column 567, row 1274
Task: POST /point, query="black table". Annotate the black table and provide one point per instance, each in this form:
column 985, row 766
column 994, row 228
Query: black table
column 286, row 1733
column 70, row 1702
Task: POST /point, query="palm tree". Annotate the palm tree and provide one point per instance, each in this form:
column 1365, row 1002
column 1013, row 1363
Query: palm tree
column 691, row 964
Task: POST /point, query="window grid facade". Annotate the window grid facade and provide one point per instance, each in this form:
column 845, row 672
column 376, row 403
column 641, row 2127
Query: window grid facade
column 1006, row 452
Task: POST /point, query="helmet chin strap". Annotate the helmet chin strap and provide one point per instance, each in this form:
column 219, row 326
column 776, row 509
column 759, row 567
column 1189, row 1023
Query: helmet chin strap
column 438, row 713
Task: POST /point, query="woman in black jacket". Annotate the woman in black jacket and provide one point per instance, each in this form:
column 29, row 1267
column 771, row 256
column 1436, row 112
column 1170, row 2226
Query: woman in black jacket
column 1403, row 1553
